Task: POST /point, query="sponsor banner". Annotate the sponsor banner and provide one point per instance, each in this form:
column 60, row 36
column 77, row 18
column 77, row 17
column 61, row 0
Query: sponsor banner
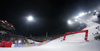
column 35, row 44
column 39, row 44
column 30, row 45
column 24, row 45
column 48, row 40
column 18, row 45
column 8, row 43
column 43, row 42
column 3, row 43
column 0, row 45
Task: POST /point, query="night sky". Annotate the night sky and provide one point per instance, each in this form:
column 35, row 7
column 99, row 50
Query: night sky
column 50, row 15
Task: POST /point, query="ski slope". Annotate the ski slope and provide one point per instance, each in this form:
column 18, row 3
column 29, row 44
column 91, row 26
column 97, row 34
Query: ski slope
column 70, row 44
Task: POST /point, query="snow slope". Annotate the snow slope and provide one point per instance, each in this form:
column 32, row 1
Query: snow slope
column 57, row 45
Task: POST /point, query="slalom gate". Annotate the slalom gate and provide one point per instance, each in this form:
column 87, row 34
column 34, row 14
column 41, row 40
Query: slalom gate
column 68, row 33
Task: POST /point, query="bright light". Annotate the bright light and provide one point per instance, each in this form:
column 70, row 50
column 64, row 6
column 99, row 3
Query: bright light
column 75, row 20
column 30, row 18
column 81, row 14
column 77, row 17
column 19, row 41
column 70, row 22
column 85, row 13
column 89, row 11
column 95, row 10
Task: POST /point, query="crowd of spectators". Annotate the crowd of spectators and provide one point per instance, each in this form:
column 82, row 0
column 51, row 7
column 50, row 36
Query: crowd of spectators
column 44, row 38
column 13, row 37
column 6, row 25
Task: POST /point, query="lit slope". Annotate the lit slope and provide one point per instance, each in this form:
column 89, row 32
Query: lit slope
column 57, row 45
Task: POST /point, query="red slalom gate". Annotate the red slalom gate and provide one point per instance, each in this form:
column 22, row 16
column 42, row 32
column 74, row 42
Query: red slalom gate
column 86, row 34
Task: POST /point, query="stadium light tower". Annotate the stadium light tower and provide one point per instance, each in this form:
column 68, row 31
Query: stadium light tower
column 29, row 18
column 75, row 20
column 95, row 10
column 70, row 22
column 77, row 17
column 89, row 11
column 81, row 14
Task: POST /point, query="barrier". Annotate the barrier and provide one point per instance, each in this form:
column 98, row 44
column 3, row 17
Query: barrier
column 43, row 42
column 86, row 34
column 8, row 43
column 5, row 43
column 35, row 44
column 0, row 45
column 46, row 41
column 18, row 45
column 30, row 45
column 39, row 44
column 23, row 45
column 55, row 38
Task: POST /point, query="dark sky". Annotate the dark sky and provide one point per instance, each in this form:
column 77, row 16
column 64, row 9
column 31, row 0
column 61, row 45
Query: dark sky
column 50, row 15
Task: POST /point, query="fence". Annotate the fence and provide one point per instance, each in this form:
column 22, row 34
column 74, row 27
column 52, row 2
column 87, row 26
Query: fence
column 30, row 45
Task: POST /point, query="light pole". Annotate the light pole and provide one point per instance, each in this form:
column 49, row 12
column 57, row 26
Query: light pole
column 46, row 34
column 29, row 18
column 70, row 23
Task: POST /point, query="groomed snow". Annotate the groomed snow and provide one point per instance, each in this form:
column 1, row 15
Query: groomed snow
column 70, row 45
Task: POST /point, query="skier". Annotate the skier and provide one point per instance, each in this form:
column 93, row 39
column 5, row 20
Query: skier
column 96, row 35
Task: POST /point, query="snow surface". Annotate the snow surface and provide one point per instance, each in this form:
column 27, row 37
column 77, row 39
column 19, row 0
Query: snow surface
column 75, row 43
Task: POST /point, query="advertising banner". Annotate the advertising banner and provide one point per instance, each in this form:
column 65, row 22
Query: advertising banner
column 30, row 45
column 35, row 44
column 39, row 44
column 43, row 42
column 18, row 45
column 46, row 41
column 3, row 43
column 0, row 45
column 8, row 43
